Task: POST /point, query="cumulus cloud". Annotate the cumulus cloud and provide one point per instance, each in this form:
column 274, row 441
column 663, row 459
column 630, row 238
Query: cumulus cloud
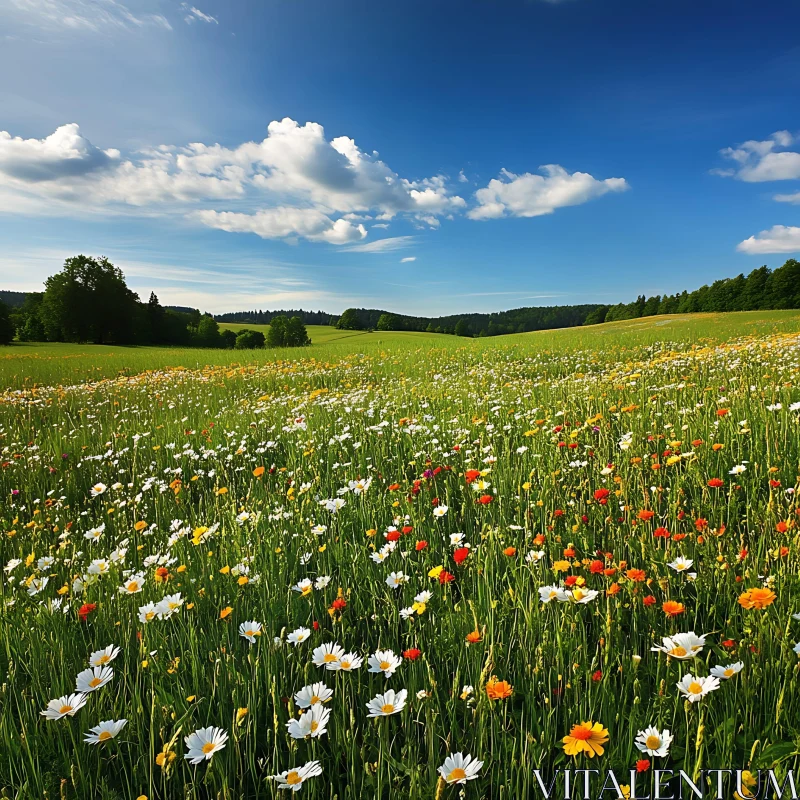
column 295, row 183
column 192, row 14
column 778, row 239
column 63, row 154
column 758, row 161
column 530, row 195
column 83, row 15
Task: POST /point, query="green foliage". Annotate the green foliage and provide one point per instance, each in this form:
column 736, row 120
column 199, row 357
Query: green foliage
column 88, row 301
column 285, row 332
column 350, row 321
column 6, row 326
column 276, row 337
column 249, row 340
column 596, row 317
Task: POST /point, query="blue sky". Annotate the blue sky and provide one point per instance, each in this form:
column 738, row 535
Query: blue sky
column 424, row 157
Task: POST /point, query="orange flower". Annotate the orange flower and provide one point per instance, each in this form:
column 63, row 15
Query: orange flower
column 757, row 598
column 258, row 472
column 588, row 737
column 510, row 551
column 637, row 575
column 226, row 612
column 613, row 589
column 672, row 608
column 140, row 525
column 498, row 690
column 645, row 515
column 474, row 637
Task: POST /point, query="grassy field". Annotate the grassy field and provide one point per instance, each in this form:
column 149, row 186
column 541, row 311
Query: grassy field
column 33, row 364
column 519, row 520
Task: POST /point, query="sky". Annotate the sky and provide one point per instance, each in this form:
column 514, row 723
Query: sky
column 421, row 156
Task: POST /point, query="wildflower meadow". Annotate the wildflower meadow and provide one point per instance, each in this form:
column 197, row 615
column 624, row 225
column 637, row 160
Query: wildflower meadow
column 422, row 567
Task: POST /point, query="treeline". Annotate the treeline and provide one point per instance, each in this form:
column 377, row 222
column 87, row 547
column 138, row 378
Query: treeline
column 517, row 320
column 762, row 289
column 89, row 301
column 266, row 317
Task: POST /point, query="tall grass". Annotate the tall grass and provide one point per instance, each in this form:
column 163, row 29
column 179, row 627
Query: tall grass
column 655, row 416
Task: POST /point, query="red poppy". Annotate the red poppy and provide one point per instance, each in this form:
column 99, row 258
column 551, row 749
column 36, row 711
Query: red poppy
column 471, row 475
column 597, row 676
column 642, row 765
column 421, row 545
column 412, row 654
column 460, row 555
column 339, row 603
column 393, row 536
column 445, row 577
column 485, row 499
column 715, row 483
column 85, row 610
column 661, row 532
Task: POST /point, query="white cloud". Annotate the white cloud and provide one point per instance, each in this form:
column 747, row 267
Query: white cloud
column 83, row 15
column 193, row 14
column 382, row 245
column 788, row 198
column 293, row 175
column 778, row 239
column 280, row 223
column 408, row 259
column 295, row 183
column 63, row 154
column 530, row 195
column 758, row 161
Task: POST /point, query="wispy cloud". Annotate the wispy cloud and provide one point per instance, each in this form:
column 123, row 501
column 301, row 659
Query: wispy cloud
column 382, row 245
column 82, row 15
column 408, row 259
column 192, row 14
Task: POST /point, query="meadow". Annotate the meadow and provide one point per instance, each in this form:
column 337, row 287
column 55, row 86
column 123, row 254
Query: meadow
column 401, row 563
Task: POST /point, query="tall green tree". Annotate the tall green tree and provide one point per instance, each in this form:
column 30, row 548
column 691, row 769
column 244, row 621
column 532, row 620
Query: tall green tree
column 296, row 333
column 276, row 336
column 350, row 321
column 6, row 326
column 89, row 301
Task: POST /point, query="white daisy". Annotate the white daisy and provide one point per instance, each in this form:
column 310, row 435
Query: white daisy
column 458, row 768
column 104, row 731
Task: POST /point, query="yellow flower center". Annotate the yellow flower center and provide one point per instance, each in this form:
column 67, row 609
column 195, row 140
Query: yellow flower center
column 678, row 651
column 149, row 615
column 729, row 673
column 329, row 657
column 95, row 682
column 315, row 699
column 457, row 774
column 695, row 688
column 65, row 709
column 293, row 778
column 653, row 742
column 133, row 586
column 104, row 659
column 314, row 726
column 208, row 747
column 385, row 665
column 345, row 665
column 104, row 736
column 387, row 708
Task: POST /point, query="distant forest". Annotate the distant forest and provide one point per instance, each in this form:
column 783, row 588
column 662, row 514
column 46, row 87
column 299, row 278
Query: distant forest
column 762, row 289
column 32, row 314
